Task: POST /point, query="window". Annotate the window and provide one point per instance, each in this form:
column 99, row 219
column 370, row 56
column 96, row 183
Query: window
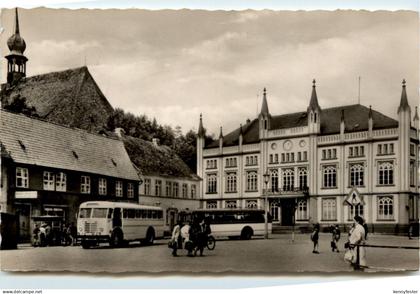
column 412, row 150
column 146, row 186
column 276, row 158
column 231, row 162
column 302, row 210
column 211, row 204
column 231, row 182
column 252, row 181
column 351, row 152
column 386, row 173
column 193, row 191
column 158, row 188
column 329, row 177
column 252, row 160
column 385, row 207
column 211, row 163
column 231, row 204
column 305, row 155
column 303, row 178
column 85, row 185
column 130, row 190
column 329, row 209
column 283, row 158
column 271, row 158
column 175, row 187
column 168, row 188
column 386, row 149
column 49, row 181
column 102, row 186
column 118, row 189
column 292, row 157
column 357, row 175
column 274, row 175
column 251, row 204
column 61, row 182
column 412, row 173
column 299, row 156
column 184, row 190
column 212, row 184
column 355, row 210
column 329, row 154
column 288, row 179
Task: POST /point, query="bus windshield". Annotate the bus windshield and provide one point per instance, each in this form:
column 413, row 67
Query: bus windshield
column 85, row 212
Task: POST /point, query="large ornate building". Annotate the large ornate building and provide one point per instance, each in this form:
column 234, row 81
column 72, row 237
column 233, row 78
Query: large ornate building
column 323, row 165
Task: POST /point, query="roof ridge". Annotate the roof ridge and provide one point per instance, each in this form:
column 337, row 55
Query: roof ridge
column 57, row 124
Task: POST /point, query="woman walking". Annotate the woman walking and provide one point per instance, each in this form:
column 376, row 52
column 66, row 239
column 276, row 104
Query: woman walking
column 357, row 254
column 315, row 238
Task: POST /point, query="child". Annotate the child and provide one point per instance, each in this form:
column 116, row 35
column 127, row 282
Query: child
column 336, row 234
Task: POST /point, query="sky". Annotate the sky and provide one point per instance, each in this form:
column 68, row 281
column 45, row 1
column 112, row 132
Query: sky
column 175, row 64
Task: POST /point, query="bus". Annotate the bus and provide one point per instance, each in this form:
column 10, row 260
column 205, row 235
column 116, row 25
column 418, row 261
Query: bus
column 118, row 223
column 234, row 223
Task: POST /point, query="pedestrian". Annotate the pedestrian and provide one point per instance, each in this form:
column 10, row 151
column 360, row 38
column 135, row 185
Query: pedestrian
column 194, row 236
column 186, row 238
column 35, row 236
column 336, row 234
column 48, row 234
column 42, row 235
column 176, row 238
column 201, row 237
column 357, row 237
column 73, row 234
column 315, row 237
column 365, row 226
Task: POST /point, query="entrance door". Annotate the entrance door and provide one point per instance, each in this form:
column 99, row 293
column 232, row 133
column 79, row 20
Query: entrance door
column 24, row 211
column 287, row 208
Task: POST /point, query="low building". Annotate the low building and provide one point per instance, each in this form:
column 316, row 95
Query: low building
column 49, row 169
column 166, row 180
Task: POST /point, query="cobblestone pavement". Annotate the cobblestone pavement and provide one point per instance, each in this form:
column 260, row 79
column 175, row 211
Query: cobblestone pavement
column 278, row 254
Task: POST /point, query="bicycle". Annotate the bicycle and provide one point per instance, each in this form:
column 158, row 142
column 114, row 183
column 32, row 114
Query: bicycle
column 211, row 243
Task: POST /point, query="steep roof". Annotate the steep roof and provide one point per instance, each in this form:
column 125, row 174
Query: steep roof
column 156, row 160
column 36, row 142
column 66, row 97
column 355, row 119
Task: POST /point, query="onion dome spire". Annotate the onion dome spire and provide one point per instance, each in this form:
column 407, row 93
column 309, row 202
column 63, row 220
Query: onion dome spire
column 404, row 101
column 16, row 43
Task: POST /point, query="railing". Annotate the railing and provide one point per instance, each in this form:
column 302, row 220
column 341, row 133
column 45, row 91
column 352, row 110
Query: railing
column 385, row 132
column 294, row 191
column 358, row 267
column 251, row 147
column 328, row 139
column 288, row 132
column 356, row 136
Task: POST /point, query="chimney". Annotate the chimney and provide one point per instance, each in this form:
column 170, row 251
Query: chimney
column 119, row 132
column 155, row 142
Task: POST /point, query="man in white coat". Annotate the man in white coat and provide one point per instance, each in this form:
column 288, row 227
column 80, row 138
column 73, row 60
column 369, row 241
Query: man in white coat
column 357, row 237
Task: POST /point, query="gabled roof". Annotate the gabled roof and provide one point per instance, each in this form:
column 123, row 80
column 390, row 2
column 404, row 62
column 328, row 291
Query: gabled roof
column 36, row 142
column 66, row 97
column 154, row 160
column 355, row 119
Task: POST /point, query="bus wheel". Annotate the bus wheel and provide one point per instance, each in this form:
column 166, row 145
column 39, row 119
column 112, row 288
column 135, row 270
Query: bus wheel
column 117, row 239
column 86, row 244
column 246, row 233
column 150, row 236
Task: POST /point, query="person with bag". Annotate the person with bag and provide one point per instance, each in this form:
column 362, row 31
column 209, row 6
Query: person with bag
column 176, row 239
column 357, row 237
column 315, row 238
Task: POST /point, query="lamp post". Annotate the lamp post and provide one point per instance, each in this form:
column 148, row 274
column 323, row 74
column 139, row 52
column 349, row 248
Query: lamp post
column 266, row 179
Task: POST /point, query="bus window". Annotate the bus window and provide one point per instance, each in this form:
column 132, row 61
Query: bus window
column 110, row 213
column 138, row 213
column 153, row 214
column 131, row 213
column 99, row 212
column 116, row 220
column 85, row 212
column 125, row 213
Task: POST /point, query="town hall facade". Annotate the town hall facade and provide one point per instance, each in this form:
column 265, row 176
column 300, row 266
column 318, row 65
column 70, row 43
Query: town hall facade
column 321, row 165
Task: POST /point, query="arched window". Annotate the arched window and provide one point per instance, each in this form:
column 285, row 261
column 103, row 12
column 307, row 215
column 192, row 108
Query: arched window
column 302, row 210
column 231, row 204
column 212, row 183
column 357, row 175
column 231, row 182
column 274, row 175
column 303, row 178
column 251, row 204
column 211, row 204
column 252, row 181
column 330, row 177
column 288, row 179
column 315, row 117
column 385, row 207
column 386, row 173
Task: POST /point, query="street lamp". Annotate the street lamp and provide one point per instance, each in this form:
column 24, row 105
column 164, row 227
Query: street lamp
column 266, row 180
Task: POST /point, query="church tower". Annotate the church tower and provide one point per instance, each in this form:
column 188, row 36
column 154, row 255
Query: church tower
column 16, row 61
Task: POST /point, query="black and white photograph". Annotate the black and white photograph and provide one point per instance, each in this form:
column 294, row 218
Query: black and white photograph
column 209, row 142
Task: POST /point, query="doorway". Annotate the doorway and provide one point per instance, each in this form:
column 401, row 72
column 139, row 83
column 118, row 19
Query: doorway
column 287, row 210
